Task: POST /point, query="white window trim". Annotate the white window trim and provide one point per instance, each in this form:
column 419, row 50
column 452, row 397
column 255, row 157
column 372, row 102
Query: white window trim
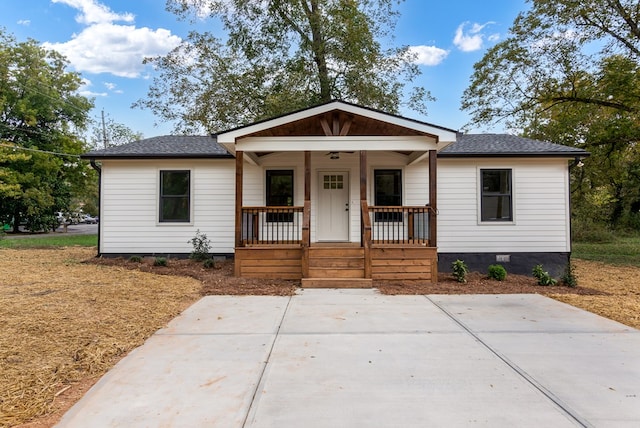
column 191, row 197
column 479, row 169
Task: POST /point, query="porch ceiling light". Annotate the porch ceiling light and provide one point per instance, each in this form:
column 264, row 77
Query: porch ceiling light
column 334, row 155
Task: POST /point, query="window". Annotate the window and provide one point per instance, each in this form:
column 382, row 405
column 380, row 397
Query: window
column 496, row 195
column 388, row 193
column 280, row 193
column 175, row 190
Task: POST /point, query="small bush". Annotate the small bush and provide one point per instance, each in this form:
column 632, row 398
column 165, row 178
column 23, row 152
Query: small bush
column 135, row 259
column 569, row 278
column 201, row 246
column 460, row 271
column 209, row 263
column 160, row 261
column 587, row 230
column 543, row 276
column 497, row 272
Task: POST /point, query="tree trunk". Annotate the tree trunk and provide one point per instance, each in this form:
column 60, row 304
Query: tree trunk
column 318, row 48
column 16, row 221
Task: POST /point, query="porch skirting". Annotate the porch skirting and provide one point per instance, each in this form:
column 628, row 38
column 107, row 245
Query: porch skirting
column 521, row 263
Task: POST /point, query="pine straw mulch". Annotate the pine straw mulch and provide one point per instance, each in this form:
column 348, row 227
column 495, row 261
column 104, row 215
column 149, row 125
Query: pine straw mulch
column 64, row 322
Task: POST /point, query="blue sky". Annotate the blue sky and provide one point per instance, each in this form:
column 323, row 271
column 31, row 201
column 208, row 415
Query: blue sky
column 106, row 40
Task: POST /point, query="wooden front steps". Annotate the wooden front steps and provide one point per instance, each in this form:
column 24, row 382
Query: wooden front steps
column 336, row 267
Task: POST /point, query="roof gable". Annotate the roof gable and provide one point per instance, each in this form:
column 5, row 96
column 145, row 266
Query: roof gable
column 338, row 118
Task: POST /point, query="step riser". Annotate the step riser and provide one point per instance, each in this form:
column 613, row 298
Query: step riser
column 335, row 283
column 336, row 252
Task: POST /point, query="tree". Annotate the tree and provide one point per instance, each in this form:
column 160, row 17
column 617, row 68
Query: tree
column 280, row 56
column 570, row 73
column 40, row 111
column 106, row 132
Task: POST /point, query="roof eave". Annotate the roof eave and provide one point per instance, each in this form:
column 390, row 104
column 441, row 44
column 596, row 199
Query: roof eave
column 568, row 155
column 156, row 156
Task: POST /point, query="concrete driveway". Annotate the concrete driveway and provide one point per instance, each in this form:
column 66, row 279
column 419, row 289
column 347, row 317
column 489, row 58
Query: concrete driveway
column 355, row 358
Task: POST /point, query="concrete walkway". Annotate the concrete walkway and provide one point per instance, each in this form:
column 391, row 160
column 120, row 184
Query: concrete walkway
column 355, row 358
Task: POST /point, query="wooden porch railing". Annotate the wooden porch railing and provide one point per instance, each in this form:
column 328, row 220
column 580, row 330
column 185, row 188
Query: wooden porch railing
column 271, row 225
column 400, row 225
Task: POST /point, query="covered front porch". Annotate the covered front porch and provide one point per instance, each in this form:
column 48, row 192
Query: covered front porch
column 366, row 204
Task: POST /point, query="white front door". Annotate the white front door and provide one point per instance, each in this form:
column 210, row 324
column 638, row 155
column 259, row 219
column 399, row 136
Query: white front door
column 333, row 206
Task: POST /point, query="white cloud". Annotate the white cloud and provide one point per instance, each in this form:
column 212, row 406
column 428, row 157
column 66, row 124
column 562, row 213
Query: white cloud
column 427, row 55
column 93, row 12
column 24, row 22
column 112, row 87
column 469, row 40
column 85, row 90
column 105, row 47
column 115, row 49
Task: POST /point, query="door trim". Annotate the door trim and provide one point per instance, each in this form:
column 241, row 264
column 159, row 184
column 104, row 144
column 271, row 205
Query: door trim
column 347, row 174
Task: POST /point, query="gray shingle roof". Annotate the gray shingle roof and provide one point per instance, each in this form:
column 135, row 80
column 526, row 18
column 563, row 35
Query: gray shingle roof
column 467, row 145
column 167, row 146
column 490, row 145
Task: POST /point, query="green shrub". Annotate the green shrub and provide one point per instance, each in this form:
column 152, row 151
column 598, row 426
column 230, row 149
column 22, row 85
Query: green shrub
column 569, row 278
column 201, row 246
column 160, row 261
column 543, row 276
column 135, row 259
column 460, row 271
column 497, row 272
column 209, row 263
column 587, row 230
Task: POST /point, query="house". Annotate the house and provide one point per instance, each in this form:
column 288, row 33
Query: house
column 340, row 194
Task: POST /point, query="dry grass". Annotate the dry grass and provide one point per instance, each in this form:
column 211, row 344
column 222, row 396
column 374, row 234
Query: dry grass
column 622, row 285
column 63, row 321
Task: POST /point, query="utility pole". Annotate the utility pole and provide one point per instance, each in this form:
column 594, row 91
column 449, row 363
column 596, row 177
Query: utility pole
column 104, row 131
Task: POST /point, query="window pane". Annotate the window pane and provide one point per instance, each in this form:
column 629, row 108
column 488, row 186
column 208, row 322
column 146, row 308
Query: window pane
column 280, row 194
column 280, row 188
column 388, row 192
column 496, row 181
column 175, row 209
column 175, row 183
column 496, row 195
column 174, row 196
column 388, row 187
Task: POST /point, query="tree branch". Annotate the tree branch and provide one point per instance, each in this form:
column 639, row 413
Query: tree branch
column 564, row 98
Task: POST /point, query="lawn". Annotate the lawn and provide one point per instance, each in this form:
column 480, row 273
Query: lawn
column 49, row 241
column 622, row 251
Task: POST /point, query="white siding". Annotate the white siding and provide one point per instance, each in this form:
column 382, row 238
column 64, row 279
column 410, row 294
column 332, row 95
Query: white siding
column 540, row 207
column 129, row 217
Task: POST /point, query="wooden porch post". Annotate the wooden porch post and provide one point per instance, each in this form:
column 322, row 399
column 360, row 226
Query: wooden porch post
column 306, row 215
column 433, row 198
column 238, row 231
column 365, row 227
column 363, row 175
column 239, row 177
